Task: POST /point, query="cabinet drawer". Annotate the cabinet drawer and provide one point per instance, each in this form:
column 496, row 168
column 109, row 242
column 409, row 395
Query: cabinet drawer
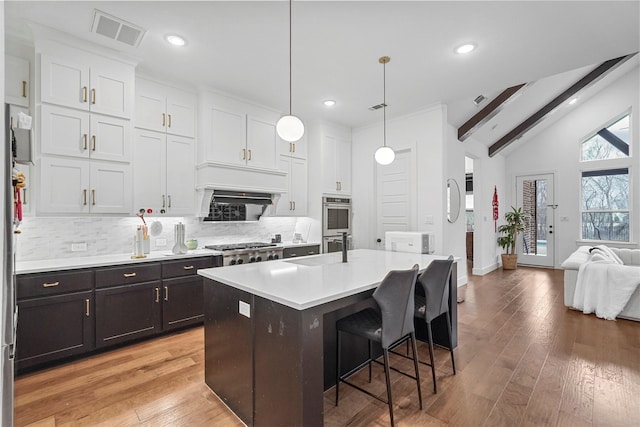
column 185, row 267
column 127, row 275
column 43, row 284
column 301, row 251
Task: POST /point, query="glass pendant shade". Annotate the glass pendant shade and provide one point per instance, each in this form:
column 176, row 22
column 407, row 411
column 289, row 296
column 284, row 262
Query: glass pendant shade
column 385, row 155
column 290, row 128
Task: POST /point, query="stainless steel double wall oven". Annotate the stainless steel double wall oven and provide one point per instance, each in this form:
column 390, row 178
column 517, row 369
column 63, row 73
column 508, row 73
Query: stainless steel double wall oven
column 336, row 219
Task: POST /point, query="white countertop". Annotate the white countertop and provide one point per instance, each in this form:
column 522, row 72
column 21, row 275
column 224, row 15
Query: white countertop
column 305, row 282
column 25, row 267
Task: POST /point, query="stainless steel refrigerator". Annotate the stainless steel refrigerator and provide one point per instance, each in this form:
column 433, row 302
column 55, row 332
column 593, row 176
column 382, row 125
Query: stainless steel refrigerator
column 8, row 308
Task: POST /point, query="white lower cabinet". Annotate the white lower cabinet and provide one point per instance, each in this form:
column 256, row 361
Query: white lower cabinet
column 294, row 201
column 164, row 173
column 73, row 186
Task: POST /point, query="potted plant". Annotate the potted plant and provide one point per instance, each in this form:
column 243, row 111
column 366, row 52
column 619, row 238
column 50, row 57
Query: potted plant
column 515, row 224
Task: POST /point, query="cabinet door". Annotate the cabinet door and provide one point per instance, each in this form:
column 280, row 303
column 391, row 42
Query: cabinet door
column 125, row 313
column 329, row 181
column 298, row 186
column 112, row 89
column 111, row 190
column 180, row 175
column 64, row 131
column 294, row 149
column 228, row 136
column 110, row 138
column 150, row 106
column 285, row 205
column 262, row 143
column 181, row 113
column 51, row 328
column 64, row 185
column 149, row 171
column 182, row 302
column 343, row 166
column 16, row 81
column 64, row 82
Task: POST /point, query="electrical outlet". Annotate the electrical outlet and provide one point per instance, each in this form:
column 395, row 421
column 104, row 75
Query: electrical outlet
column 79, row 247
column 244, row 309
column 428, row 219
column 161, row 242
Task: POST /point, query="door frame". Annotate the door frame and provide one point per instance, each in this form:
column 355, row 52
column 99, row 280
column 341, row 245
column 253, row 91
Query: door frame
column 547, row 261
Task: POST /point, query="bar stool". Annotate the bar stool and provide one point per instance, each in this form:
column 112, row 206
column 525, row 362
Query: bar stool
column 434, row 303
column 389, row 324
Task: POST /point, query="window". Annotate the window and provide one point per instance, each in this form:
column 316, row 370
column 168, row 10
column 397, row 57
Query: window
column 605, row 190
column 611, row 142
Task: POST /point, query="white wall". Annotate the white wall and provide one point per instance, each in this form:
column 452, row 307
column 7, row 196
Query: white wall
column 427, row 134
column 557, row 149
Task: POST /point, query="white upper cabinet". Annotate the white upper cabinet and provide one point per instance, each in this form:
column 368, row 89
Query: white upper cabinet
column 102, row 86
column 16, row 81
column 75, row 133
column 74, row 186
column 293, row 149
column 293, row 202
column 262, row 144
column 336, row 165
column 164, row 178
column 164, row 109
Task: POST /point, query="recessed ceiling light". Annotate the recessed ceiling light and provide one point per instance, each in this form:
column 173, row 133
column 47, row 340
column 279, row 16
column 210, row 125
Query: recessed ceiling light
column 329, row 103
column 465, row 48
column 573, row 101
column 175, row 40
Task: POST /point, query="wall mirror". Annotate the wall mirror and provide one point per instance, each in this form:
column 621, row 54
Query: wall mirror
column 453, row 200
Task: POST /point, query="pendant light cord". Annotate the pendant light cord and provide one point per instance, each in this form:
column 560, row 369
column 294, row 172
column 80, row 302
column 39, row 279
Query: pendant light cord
column 290, row 61
column 384, row 104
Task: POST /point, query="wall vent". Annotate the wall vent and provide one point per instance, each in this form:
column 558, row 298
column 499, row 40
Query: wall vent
column 116, row 28
column 377, row 107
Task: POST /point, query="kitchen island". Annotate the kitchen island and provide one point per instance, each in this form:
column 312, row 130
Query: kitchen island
column 270, row 329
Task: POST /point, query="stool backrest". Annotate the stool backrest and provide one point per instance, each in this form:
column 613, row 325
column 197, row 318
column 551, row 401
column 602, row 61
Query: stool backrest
column 395, row 297
column 435, row 283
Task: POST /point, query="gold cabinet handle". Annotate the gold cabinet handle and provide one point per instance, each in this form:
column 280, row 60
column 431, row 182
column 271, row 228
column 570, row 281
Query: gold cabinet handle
column 169, row 115
column 87, row 307
column 291, row 147
column 129, row 274
column 93, row 96
column 93, row 197
column 163, row 120
column 24, row 196
column 50, row 285
column 249, row 154
column 169, row 201
column 294, row 146
column 10, row 122
column 84, row 94
column 84, row 196
column 24, row 88
column 84, row 141
column 166, row 293
column 294, row 205
column 93, row 143
column 157, row 294
column 188, row 267
column 244, row 154
column 163, row 202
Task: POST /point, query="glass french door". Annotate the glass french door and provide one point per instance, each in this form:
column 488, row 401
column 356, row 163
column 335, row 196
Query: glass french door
column 535, row 196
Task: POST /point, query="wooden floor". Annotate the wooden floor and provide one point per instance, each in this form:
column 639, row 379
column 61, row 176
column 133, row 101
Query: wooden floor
column 523, row 359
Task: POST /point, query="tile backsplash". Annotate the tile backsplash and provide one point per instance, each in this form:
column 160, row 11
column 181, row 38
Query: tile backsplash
column 49, row 238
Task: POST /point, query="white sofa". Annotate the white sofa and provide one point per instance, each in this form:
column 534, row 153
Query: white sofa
column 571, row 265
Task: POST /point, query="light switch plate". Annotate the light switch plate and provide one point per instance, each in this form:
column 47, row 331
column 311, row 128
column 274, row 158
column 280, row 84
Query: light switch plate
column 79, row 247
column 244, row 309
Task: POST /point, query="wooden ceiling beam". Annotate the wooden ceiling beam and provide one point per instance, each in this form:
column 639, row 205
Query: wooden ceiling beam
column 488, row 112
column 599, row 72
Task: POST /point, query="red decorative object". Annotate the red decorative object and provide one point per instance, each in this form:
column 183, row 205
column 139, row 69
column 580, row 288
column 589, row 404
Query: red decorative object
column 149, row 210
column 494, row 203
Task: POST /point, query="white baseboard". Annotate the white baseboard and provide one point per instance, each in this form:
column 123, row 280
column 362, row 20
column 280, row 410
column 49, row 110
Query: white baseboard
column 485, row 270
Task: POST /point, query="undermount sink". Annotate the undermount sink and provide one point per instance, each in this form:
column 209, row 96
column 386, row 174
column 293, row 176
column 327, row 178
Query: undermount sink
column 315, row 261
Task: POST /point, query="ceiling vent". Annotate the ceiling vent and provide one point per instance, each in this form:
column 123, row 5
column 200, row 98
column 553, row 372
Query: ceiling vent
column 116, row 29
column 377, row 107
column 479, row 99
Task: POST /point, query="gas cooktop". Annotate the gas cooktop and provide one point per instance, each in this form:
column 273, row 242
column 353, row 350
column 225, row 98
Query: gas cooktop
column 236, row 246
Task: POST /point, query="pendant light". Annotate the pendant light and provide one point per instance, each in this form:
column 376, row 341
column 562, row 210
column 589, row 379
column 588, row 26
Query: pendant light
column 384, row 155
column 290, row 127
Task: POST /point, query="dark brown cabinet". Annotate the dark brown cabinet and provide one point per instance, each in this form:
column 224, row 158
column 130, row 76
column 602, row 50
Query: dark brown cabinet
column 55, row 317
column 182, row 292
column 128, row 303
column 296, row 251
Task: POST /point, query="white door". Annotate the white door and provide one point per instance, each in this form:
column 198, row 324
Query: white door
column 110, row 138
column 64, row 185
column 181, row 178
column 149, row 173
column 16, row 81
column 65, row 131
column 394, row 189
column 329, row 181
column 262, row 143
column 111, row 190
column 64, row 82
column 298, row 186
column 112, row 90
column 150, row 108
column 535, row 196
column 228, row 136
column 181, row 113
